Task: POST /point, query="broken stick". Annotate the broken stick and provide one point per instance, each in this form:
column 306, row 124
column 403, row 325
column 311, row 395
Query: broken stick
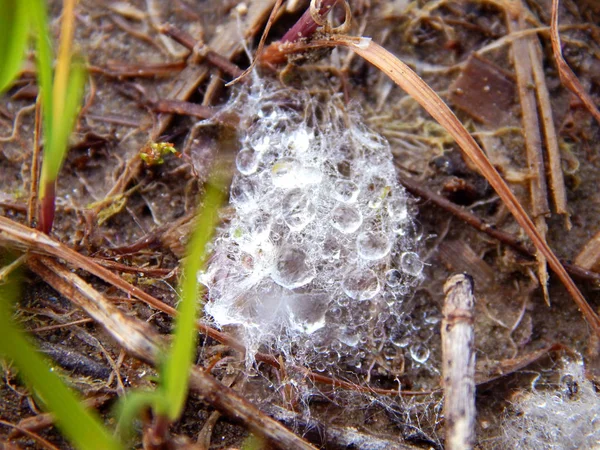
column 458, row 362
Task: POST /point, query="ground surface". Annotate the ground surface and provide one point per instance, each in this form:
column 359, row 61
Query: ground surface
column 109, row 202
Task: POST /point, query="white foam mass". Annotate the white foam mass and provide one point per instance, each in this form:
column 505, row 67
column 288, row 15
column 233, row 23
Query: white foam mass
column 312, row 260
column 564, row 416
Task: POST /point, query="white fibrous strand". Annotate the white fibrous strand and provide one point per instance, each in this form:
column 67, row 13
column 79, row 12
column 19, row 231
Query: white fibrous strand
column 565, row 416
column 320, row 252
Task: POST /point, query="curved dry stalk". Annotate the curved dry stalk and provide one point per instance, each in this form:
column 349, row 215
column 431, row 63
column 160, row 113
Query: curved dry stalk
column 410, row 82
column 261, row 44
column 564, row 71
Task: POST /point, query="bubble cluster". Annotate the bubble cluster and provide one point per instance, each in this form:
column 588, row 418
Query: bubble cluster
column 319, row 257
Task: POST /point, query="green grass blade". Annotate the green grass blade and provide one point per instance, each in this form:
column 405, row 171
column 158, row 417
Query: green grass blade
column 130, row 407
column 81, row 426
column 70, row 100
column 44, row 58
column 61, row 98
column 14, row 27
column 178, row 363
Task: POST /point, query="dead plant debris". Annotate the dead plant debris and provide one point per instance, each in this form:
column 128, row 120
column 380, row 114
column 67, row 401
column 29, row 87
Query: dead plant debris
column 520, row 148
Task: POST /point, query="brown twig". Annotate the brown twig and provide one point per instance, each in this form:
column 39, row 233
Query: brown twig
column 184, row 108
column 32, row 435
column 45, row 420
column 458, row 362
column 513, row 365
column 124, row 70
column 210, row 56
column 589, row 256
column 306, row 25
column 154, row 272
column 304, row 28
column 261, row 44
column 35, row 162
column 59, row 326
column 141, row 341
column 531, row 132
column 564, row 71
column 470, row 219
column 555, row 172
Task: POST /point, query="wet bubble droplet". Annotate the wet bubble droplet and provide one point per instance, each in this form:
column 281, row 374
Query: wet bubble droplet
column 284, row 173
column 299, row 140
column 389, row 352
column 259, row 226
column 346, row 191
column 361, row 284
column 373, row 245
column 336, row 313
column 419, row 353
column 261, row 143
column 400, row 337
column 297, row 209
column 411, row 264
column 346, row 219
column 292, row 269
column 246, row 161
column 288, row 173
column 243, row 192
column 393, row 278
column 349, row 337
column 397, row 209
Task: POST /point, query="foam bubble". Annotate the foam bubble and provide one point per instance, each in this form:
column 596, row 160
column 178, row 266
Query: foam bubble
column 246, row 161
column 346, row 191
column 292, row 268
column 373, row 245
column 411, row 264
column 346, row 219
column 297, row 209
column 361, row 284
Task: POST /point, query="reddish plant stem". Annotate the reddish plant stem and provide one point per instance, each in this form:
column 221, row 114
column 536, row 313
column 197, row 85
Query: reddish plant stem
column 306, row 26
column 47, row 206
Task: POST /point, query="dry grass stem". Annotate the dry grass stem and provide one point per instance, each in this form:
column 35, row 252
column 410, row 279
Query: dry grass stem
column 589, row 256
column 521, row 50
column 45, row 420
column 40, row 440
column 35, row 163
column 564, row 71
column 458, row 362
column 261, row 44
column 410, row 82
column 470, row 219
column 555, row 171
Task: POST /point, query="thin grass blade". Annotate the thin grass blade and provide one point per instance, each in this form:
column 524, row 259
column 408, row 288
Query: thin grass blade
column 180, row 358
column 130, row 407
column 14, row 27
column 44, row 57
column 61, row 97
column 81, row 426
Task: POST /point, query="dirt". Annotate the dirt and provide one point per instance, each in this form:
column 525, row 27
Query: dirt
column 513, row 323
